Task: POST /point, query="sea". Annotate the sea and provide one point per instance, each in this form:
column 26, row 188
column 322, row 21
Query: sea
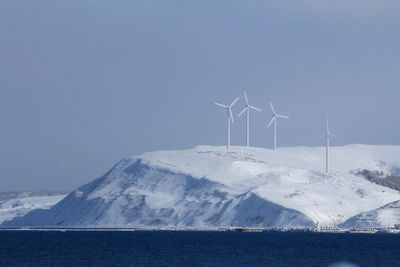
column 196, row 248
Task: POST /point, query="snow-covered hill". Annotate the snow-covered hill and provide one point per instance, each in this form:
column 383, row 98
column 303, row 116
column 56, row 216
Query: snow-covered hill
column 17, row 204
column 383, row 217
column 213, row 187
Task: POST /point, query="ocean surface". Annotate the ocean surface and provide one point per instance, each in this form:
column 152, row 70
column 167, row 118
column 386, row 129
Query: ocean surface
column 186, row 248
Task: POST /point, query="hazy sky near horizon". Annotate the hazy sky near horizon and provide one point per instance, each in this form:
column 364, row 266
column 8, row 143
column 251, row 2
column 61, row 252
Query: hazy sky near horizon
column 86, row 83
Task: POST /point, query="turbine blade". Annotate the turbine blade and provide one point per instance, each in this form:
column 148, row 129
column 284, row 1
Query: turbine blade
column 240, row 114
column 234, row 101
column 230, row 113
column 269, row 124
column 245, row 96
column 272, row 107
column 331, row 134
column 283, row 116
column 260, row 110
column 218, row 104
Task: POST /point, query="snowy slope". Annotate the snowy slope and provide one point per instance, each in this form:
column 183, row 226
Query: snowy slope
column 211, row 187
column 16, row 207
column 383, row 217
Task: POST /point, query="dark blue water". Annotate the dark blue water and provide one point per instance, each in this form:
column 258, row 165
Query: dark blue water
column 85, row 248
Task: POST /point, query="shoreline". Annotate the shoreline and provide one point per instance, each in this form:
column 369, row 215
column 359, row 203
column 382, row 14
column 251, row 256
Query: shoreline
column 230, row 229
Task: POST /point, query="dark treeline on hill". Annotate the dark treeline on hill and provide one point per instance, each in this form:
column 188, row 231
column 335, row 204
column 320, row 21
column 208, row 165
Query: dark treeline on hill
column 379, row 177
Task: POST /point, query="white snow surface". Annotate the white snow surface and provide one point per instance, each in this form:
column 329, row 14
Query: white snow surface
column 294, row 177
column 383, row 217
column 17, row 207
column 210, row 186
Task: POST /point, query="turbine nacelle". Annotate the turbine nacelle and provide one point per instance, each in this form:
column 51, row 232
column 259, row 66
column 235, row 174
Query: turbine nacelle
column 247, row 109
column 275, row 115
column 229, row 108
column 248, row 106
column 328, row 132
column 228, row 120
column 273, row 120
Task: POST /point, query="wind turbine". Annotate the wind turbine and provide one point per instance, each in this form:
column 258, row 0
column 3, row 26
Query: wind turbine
column 229, row 118
column 273, row 120
column 247, row 108
column 328, row 134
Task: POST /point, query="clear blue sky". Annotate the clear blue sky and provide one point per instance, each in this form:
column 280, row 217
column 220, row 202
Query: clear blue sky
column 85, row 83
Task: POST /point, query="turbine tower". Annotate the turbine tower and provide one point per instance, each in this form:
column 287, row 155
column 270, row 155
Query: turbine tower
column 229, row 119
column 247, row 108
column 273, row 120
column 328, row 134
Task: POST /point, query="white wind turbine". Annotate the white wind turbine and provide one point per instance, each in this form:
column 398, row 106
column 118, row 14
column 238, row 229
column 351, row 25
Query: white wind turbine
column 229, row 119
column 273, row 120
column 328, row 134
column 247, row 108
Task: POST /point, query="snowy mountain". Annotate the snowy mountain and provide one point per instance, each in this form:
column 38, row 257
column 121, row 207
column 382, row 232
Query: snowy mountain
column 215, row 187
column 17, row 204
column 383, row 217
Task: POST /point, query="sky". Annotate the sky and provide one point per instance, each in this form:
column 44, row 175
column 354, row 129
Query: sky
column 86, row 83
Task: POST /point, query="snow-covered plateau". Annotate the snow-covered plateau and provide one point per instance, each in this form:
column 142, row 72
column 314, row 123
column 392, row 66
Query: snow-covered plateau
column 209, row 187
